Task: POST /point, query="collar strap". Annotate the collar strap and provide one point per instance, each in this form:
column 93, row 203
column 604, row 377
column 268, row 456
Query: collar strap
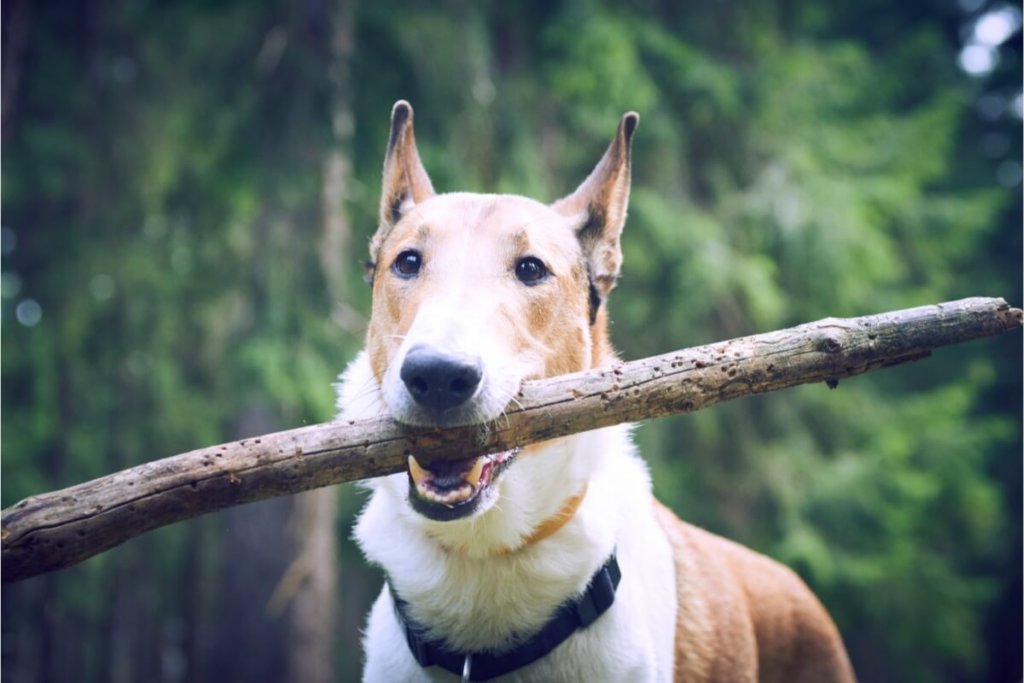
column 570, row 617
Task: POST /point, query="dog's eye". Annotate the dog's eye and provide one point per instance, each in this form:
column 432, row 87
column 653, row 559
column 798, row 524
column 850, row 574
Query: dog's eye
column 530, row 270
column 407, row 264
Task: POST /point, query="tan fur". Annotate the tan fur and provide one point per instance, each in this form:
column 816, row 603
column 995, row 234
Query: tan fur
column 745, row 617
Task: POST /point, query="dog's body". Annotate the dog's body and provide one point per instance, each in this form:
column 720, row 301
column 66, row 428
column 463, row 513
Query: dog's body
column 472, row 295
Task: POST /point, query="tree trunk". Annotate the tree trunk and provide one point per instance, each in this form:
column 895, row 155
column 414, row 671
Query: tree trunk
column 309, row 587
column 244, row 645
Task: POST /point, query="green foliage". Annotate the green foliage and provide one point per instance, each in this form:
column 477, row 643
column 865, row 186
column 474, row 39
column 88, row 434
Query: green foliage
column 162, row 178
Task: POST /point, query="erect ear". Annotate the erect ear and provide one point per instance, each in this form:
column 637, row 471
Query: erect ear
column 405, row 181
column 598, row 209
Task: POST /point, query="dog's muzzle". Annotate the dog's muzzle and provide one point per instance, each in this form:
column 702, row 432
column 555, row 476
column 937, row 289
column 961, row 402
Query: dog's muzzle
column 443, row 387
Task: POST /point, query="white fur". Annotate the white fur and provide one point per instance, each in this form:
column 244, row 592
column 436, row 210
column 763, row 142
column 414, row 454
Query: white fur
column 474, row 599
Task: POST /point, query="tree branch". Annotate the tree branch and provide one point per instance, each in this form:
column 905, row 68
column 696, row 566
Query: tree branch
column 58, row 529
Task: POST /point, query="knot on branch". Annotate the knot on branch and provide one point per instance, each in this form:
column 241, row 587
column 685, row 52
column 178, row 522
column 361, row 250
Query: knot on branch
column 829, row 343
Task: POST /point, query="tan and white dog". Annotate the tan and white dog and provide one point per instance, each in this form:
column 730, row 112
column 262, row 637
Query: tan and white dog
column 473, row 294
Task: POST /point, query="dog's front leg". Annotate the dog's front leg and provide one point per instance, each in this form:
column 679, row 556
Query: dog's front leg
column 387, row 654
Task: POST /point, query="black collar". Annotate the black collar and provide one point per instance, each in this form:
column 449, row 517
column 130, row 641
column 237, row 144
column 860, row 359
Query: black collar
column 482, row 666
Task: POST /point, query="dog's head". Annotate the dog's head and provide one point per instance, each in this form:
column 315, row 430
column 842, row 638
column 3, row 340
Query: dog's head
column 474, row 293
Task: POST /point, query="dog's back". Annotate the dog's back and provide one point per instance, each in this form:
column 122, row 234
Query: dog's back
column 745, row 617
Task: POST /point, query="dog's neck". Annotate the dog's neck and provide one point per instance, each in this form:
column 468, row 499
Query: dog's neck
column 553, row 524
column 548, row 527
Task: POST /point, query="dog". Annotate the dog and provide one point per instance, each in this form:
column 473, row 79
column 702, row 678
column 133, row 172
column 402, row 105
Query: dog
column 553, row 561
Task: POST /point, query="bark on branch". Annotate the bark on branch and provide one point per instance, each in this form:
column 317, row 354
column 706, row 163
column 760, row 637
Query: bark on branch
column 58, row 529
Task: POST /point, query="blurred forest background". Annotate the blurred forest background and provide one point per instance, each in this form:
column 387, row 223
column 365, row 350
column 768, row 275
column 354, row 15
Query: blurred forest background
column 188, row 192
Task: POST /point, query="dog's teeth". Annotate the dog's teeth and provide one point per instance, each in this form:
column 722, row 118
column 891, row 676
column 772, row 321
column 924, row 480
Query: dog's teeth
column 474, row 474
column 417, row 472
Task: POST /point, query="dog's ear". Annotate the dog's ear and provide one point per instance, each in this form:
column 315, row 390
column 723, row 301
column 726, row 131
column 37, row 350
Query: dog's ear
column 598, row 209
column 405, row 181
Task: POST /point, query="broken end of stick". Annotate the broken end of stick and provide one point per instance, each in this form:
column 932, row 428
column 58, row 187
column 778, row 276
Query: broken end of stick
column 1012, row 318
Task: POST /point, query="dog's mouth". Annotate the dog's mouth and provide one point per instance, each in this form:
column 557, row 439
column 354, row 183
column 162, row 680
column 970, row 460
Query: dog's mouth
column 454, row 489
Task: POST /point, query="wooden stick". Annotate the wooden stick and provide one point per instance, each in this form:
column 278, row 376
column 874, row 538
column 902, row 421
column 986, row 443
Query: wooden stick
column 58, row 529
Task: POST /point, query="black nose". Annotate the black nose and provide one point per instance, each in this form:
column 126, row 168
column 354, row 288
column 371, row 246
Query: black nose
column 438, row 381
